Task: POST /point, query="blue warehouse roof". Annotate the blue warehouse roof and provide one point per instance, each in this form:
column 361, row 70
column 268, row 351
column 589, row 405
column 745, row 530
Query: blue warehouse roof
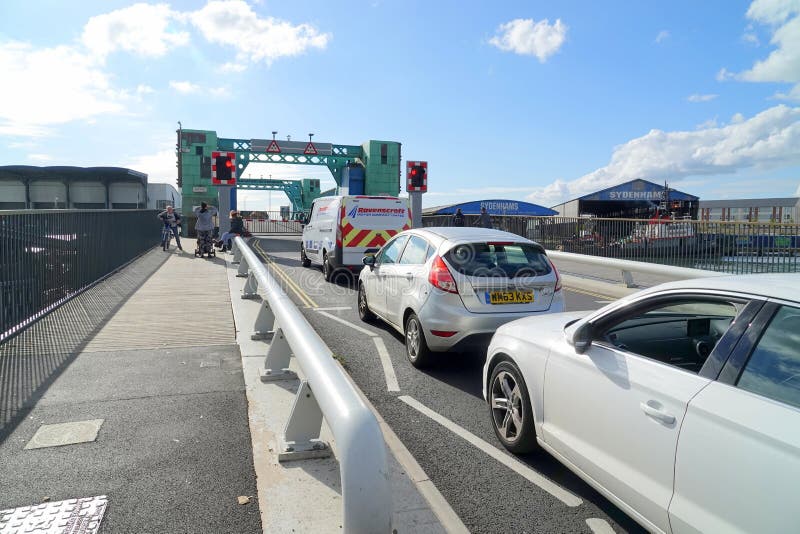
column 637, row 190
column 494, row 207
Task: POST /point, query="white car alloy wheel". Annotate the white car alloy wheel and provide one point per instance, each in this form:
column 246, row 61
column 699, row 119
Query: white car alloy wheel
column 416, row 347
column 364, row 312
column 512, row 417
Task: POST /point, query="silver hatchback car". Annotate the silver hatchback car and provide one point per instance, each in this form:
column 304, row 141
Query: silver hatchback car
column 451, row 288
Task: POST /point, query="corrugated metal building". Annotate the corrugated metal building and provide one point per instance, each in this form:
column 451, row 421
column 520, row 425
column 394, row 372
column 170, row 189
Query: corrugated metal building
column 637, row 199
column 775, row 210
column 29, row 187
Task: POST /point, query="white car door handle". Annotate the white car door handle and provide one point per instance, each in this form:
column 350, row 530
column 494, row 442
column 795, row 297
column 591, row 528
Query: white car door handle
column 409, row 276
column 657, row 414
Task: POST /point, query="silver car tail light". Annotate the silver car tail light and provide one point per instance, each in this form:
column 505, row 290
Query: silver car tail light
column 558, row 276
column 440, row 276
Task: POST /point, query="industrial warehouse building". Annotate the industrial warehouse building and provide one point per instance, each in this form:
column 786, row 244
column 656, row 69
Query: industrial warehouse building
column 159, row 196
column 637, row 199
column 763, row 210
column 28, row 187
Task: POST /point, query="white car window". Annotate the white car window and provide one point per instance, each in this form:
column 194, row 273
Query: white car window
column 682, row 334
column 414, row 253
column 392, row 250
column 773, row 369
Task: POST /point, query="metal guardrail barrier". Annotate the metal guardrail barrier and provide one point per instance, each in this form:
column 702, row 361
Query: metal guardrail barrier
column 366, row 495
column 627, row 267
column 49, row 256
column 725, row 246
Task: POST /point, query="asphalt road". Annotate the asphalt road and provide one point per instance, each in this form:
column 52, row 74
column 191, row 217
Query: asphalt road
column 491, row 492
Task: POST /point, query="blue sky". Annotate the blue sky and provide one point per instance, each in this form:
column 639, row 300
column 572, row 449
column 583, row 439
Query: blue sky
column 535, row 100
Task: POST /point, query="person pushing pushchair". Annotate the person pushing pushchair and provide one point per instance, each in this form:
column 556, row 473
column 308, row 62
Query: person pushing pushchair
column 204, row 226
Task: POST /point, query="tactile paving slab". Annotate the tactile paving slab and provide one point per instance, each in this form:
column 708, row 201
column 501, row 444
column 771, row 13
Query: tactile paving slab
column 65, row 434
column 73, row 516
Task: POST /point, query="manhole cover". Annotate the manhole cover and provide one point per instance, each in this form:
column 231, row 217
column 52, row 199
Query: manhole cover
column 73, row 516
column 65, row 434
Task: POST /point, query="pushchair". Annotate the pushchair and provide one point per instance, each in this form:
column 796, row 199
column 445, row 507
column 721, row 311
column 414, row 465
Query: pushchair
column 205, row 244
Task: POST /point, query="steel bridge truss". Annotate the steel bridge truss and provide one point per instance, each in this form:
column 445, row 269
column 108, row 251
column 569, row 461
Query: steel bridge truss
column 339, row 158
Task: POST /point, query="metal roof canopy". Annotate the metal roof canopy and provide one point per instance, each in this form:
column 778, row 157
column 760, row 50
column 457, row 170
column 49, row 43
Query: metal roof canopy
column 31, row 172
column 494, row 207
column 637, row 190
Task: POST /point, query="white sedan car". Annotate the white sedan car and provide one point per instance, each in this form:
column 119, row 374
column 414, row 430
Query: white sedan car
column 450, row 288
column 681, row 403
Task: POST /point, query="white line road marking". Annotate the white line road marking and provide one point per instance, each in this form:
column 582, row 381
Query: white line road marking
column 346, row 323
column 388, row 370
column 599, row 526
column 512, row 463
column 335, row 308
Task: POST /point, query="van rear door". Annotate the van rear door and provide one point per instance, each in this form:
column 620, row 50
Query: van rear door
column 367, row 223
column 318, row 234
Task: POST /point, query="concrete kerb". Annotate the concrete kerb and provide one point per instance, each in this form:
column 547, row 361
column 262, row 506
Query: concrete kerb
column 285, row 490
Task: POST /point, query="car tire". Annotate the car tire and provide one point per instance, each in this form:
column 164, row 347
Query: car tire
column 364, row 312
column 303, row 258
column 417, row 350
column 512, row 421
column 327, row 271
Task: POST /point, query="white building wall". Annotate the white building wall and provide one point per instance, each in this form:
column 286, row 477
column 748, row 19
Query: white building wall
column 126, row 193
column 48, row 192
column 87, row 193
column 12, row 191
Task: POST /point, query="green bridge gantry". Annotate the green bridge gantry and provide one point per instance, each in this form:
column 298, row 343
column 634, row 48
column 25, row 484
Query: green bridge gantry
column 379, row 161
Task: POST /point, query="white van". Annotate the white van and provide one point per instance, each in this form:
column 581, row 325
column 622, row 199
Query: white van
column 341, row 229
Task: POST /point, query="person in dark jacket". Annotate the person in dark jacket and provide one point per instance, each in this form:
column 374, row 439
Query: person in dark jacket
column 484, row 220
column 237, row 229
column 458, row 218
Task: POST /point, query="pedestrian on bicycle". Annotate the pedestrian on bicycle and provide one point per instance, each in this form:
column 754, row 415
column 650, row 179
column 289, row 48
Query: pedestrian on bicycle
column 205, row 223
column 237, row 229
column 171, row 220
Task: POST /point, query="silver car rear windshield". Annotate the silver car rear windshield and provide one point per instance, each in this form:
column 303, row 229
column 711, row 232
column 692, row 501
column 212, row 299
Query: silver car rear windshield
column 508, row 260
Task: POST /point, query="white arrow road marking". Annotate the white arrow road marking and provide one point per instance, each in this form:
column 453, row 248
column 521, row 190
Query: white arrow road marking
column 599, row 526
column 388, row 370
column 346, row 323
column 509, row 461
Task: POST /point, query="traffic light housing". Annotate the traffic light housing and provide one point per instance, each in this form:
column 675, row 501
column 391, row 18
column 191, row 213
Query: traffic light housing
column 223, row 168
column 417, row 176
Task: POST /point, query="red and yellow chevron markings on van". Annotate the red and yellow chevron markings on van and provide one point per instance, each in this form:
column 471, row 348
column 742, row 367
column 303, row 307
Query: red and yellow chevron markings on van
column 354, row 237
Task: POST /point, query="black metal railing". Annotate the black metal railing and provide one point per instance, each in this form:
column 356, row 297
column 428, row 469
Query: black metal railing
column 724, row 246
column 46, row 256
column 274, row 222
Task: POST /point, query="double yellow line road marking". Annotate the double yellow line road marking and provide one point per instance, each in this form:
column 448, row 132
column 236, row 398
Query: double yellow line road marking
column 302, row 295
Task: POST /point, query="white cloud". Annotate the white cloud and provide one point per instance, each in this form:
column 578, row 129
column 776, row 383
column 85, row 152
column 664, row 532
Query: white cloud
column 797, row 191
column 768, row 139
column 141, row 29
column 530, row 38
column 751, row 38
column 662, row 36
column 793, row 94
column 185, row 87
column 233, row 67
column 40, row 157
column 143, row 89
column 160, row 166
column 701, row 98
column 255, row 38
column 783, row 63
column 710, row 123
column 51, row 86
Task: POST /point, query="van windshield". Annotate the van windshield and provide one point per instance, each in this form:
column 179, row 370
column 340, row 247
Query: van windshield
column 506, row 260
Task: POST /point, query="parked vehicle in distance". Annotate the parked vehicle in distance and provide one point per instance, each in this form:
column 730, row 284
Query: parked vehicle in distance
column 450, row 288
column 341, row 229
column 680, row 403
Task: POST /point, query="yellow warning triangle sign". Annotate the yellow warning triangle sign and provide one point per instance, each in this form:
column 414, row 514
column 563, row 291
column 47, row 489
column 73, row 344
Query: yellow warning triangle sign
column 310, row 149
column 273, row 147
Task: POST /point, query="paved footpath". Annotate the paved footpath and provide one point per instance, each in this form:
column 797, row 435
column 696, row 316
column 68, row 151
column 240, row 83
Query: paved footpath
column 147, row 367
